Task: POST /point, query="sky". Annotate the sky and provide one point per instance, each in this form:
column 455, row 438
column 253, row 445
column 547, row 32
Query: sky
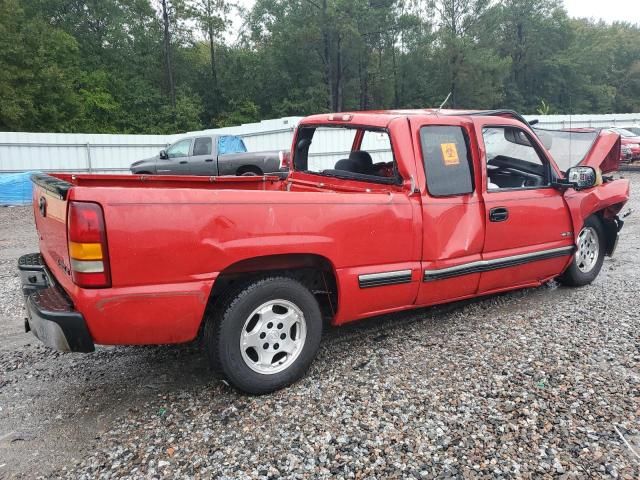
column 607, row 10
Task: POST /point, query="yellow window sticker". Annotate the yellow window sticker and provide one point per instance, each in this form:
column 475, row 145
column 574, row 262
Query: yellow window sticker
column 450, row 154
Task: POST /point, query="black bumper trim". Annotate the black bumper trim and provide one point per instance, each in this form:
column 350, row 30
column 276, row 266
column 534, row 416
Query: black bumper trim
column 32, row 273
column 51, row 316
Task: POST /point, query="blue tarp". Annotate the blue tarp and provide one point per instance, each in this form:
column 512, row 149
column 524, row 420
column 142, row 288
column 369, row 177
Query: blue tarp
column 230, row 144
column 15, row 188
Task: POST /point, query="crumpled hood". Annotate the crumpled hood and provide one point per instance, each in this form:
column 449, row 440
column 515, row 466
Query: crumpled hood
column 605, row 152
column 599, row 149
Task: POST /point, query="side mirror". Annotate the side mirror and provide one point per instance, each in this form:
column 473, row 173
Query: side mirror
column 163, row 155
column 582, row 177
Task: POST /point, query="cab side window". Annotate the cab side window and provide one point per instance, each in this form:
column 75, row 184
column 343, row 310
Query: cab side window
column 512, row 161
column 447, row 163
column 179, row 149
column 202, row 146
column 230, row 144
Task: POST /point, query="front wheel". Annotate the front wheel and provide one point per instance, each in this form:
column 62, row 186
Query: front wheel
column 589, row 255
column 264, row 334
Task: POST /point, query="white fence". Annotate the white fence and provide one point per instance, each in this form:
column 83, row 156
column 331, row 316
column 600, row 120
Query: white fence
column 75, row 152
column 102, row 153
column 587, row 121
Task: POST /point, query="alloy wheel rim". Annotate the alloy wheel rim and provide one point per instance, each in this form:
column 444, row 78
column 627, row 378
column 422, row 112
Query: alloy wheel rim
column 588, row 249
column 273, row 336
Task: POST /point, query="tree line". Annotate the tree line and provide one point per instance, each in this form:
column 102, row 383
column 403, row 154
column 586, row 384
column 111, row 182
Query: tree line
column 163, row 66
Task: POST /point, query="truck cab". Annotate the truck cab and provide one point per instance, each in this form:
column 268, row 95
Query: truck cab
column 209, row 155
column 493, row 210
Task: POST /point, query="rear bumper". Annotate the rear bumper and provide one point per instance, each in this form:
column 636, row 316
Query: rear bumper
column 51, row 316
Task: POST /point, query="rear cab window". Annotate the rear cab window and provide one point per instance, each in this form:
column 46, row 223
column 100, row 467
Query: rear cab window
column 447, row 160
column 353, row 152
column 230, row 144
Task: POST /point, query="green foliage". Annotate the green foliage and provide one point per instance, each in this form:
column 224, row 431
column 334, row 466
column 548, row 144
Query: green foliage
column 544, row 108
column 241, row 112
column 101, row 65
column 38, row 64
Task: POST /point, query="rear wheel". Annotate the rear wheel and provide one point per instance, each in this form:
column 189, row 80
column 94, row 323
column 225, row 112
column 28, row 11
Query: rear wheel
column 589, row 255
column 264, row 334
column 249, row 171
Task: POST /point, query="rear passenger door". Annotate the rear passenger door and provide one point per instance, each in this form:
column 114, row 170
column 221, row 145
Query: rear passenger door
column 452, row 210
column 202, row 160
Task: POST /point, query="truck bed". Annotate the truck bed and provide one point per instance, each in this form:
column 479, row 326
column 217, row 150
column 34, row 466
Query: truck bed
column 60, row 183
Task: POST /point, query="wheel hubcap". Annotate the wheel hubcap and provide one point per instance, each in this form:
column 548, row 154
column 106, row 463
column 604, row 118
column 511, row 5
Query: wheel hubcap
column 588, row 249
column 273, row 336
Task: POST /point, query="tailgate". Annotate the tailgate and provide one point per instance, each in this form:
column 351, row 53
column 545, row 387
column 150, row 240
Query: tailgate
column 50, row 213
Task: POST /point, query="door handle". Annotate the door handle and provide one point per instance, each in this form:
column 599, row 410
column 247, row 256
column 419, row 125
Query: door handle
column 209, row 160
column 182, row 162
column 498, row 214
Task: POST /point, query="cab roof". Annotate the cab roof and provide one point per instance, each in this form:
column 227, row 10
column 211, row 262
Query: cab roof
column 382, row 118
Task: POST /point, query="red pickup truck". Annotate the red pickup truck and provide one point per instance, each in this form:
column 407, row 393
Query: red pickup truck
column 409, row 209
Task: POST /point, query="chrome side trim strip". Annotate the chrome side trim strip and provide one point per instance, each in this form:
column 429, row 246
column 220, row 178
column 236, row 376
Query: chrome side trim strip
column 384, row 278
column 496, row 263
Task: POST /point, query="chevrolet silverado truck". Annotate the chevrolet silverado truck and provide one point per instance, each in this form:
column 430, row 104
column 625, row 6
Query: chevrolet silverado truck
column 408, row 209
column 211, row 155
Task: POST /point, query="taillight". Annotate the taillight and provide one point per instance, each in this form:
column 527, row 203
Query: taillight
column 87, row 239
column 284, row 159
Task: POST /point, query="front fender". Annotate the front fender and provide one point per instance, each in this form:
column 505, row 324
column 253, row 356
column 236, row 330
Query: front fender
column 607, row 199
column 144, row 166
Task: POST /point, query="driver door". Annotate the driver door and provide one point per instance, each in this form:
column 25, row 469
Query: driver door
column 178, row 161
column 528, row 234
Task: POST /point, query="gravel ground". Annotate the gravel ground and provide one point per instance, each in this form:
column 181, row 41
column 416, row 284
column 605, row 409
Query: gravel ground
column 537, row 383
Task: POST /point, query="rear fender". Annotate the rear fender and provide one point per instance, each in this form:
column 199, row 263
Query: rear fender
column 606, row 200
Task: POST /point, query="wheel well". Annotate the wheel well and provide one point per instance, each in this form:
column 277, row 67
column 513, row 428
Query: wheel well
column 248, row 169
column 313, row 271
column 611, row 225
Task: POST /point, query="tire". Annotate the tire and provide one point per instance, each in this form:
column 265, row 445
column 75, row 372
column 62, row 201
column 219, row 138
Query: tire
column 249, row 172
column 589, row 256
column 279, row 322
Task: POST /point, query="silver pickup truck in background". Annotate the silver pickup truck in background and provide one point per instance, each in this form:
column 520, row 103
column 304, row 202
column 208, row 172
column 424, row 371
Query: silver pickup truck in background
column 211, row 155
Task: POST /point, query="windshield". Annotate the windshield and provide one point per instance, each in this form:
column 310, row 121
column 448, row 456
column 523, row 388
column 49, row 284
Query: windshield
column 568, row 148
